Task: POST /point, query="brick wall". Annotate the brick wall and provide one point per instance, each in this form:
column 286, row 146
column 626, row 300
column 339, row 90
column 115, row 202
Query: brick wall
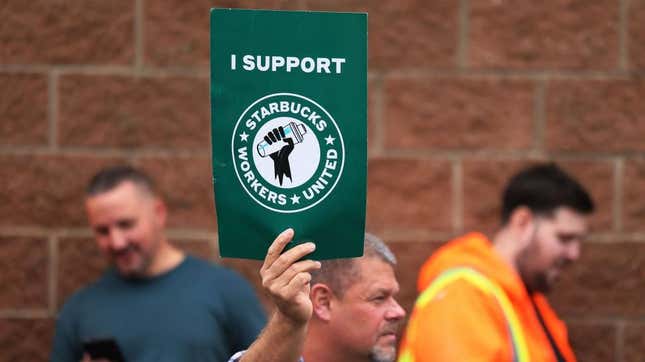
column 462, row 93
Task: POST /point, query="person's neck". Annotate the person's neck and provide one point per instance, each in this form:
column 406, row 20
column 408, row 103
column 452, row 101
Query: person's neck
column 168, row 257
column 320, row 346
column 506, row 247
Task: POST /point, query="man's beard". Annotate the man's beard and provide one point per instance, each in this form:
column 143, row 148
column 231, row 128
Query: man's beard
column 534, row 282
column 380, row 354
column 386, row 353
column 137, row 271
column 538, row 284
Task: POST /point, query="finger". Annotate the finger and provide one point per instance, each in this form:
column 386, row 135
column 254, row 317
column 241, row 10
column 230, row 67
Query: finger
column 268, row 140
column 286, row 260
column 296, row 285
column 281, row 129
column 276, row 247
column 272, row 136
column 301, row 267
column 276, row 134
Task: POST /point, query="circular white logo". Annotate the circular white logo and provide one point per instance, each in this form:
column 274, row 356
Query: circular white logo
column 288, row 152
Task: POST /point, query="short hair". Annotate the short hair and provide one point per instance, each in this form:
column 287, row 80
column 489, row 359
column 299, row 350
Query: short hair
column 543, row 188
column 109, row 178
column 340, row 274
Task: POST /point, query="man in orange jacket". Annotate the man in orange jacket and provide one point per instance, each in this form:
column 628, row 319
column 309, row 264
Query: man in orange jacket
column 483, row 300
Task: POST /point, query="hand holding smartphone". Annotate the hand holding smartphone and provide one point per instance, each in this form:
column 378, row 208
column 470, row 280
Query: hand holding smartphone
column 106, row 349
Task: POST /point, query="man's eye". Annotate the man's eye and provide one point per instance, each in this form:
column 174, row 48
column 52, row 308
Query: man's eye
column 102, row 231
column 566, row 238
column 125, row 224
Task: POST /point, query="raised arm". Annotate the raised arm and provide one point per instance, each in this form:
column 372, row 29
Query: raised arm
column 287, row 281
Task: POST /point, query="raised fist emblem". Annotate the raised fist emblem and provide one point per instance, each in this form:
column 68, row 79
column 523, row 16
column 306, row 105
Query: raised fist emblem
column 280, row 157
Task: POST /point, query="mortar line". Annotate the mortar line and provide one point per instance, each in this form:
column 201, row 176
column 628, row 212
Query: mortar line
column 618, row 203
column 139, row 36
column 623, row 34
column 52, row 110
column 463, row 40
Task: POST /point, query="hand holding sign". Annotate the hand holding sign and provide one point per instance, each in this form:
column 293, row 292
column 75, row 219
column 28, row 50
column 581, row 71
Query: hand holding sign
column 287, row 279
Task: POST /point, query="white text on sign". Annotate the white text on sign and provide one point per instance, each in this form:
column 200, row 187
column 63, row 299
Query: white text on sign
column 275, row 63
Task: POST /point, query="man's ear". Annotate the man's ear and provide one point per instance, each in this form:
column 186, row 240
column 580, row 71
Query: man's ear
column 321, row 298
column 161, row 211
column 523, row 223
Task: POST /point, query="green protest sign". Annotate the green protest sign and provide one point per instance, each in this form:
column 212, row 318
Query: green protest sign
column 289, row 115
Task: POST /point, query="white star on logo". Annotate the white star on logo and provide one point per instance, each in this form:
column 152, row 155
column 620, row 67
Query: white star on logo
column 330, row 140
column 295, row 199
column 244, row 136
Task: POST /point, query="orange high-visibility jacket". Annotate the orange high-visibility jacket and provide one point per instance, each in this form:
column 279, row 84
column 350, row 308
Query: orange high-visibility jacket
column 474, row 307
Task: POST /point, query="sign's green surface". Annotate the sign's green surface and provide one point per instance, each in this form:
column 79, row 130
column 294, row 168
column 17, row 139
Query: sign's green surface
column 289, row 116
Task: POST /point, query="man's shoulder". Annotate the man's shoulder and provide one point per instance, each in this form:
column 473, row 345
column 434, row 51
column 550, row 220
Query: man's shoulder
column 460, row 300
column 462, row 290
column 89, row 293
column 211, row 271
column 198, row 264
column 223, row 284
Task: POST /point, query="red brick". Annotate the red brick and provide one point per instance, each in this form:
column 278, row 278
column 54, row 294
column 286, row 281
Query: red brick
column 64, row 32
column 634, row 343
column 562, row 34
column 582, row 338
column 634, row 187
column 23, row 109
column 484, row 183
column 201, row 249
column 177, row 32
column 409, row 194
column 605, row 282
column 373, row 114
column 595, row 116
column 410, row 257
column 409, row 33
column 45, row 190
column 26, row 340
column 187, row 185
column 23, row 273
column 636, row 33
column 459, row 113
column 80, row 262
column 123, row 112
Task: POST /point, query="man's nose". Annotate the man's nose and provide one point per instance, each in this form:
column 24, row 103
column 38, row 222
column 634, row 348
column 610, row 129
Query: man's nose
column 118, row 240
column 395, row 312
column 573, row 250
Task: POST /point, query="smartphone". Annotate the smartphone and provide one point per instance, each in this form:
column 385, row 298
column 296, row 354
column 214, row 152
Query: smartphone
column 104, row 349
